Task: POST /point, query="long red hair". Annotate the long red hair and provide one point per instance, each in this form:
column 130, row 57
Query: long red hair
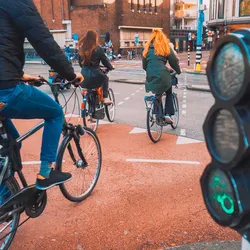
column 87, row 45
column 160, row 41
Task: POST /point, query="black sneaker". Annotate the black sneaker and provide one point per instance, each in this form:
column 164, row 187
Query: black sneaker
column 55, row 178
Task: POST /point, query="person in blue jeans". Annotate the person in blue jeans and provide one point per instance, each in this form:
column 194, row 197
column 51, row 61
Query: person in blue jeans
column 19, row 20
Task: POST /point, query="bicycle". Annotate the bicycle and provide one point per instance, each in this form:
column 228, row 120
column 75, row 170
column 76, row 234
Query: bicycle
column 28, row 199
column 155, row 113
column 93, row 108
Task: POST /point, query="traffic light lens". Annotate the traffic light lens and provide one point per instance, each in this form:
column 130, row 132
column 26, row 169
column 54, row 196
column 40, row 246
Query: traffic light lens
column 221, row 196
column 229, row 71
column 225, row 136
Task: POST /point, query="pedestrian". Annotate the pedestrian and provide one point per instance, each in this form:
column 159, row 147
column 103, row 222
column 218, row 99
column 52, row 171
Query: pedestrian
column 157, row 52
column 20, row 19
column 67, row 51
column 91, row 54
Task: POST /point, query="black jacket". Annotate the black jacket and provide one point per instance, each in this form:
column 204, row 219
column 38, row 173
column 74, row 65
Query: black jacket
column 20, row 19
column 98, row 56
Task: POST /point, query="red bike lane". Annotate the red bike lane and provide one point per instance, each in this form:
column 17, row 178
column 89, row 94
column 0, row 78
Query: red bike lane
column 148, row 197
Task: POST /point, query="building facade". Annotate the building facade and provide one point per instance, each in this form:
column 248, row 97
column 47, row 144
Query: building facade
column 228, row 15
column 123, row 19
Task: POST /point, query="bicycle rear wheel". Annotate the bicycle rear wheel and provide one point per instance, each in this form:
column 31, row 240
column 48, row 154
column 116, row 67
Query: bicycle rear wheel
column 88, row 120
column 175, row 117
column 9, row 223
column 153, row 127
column 110, row 109
column 84, row 179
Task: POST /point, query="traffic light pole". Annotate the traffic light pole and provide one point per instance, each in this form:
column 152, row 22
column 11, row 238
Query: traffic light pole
column 200, row 21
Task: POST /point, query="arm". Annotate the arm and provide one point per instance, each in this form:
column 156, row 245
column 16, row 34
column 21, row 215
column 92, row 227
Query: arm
column 144, row 63
column 29, row 23
column 174, row 62
column 105, row 61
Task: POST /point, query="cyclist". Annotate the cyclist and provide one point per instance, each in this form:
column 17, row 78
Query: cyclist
column 19, row 20
column 91, row 54
column 156, row 54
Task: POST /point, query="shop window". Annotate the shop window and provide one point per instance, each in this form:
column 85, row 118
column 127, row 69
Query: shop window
column 221, row 9
column 244, row 8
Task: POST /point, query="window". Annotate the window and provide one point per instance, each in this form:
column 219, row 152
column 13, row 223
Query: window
column 213, row 9
column 234, row 6
column 221, row 9
column 244, row 8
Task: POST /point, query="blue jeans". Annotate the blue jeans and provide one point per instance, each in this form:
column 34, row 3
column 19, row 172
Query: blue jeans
column 26, row 102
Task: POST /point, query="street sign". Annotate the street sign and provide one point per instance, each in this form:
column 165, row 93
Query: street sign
column 75, row 37
column 226, row 180
column 189, row 36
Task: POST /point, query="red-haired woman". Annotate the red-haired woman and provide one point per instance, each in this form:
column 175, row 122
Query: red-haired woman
column 157, row 52
column 91, row 54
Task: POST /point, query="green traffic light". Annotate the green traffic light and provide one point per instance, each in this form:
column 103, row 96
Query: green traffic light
column 222, row 197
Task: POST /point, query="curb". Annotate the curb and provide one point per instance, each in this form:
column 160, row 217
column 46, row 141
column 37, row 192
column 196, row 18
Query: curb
column 194, row 72
column 228, row 245
column 130, row 81
column 204, row 88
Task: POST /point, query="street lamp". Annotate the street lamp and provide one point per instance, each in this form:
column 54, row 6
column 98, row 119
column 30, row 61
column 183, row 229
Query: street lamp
column 226, row 180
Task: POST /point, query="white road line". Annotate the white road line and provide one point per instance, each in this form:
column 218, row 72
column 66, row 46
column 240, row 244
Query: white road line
column 184, row 100
column 183, row 132
column 137, row 91
column 141, row 88
column 116, row 93
column 164, row 161
column 31, row 162
column 184, row 96
column 120, row 103
column 71, row 115
column 127, row 98
column 184, row 106
column 184, row 112
column 133, row 94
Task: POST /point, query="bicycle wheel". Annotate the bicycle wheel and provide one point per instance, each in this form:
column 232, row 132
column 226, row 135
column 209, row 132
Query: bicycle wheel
column 9, row 224
column 84, row 179
column 88, row 120
column 110, row 109
column 153, row 127
column 175, row 117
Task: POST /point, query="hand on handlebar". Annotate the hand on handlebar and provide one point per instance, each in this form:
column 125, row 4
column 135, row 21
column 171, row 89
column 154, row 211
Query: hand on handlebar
column 79, row 79
column 27, row 78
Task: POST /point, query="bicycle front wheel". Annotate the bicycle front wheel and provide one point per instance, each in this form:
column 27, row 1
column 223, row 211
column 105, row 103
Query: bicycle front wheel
column 153, row 127
column 110, row 109
column 8, row 223
column 175, row 117
column 84, row 178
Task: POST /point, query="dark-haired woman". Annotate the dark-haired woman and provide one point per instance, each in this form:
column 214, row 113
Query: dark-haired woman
column 91, row 54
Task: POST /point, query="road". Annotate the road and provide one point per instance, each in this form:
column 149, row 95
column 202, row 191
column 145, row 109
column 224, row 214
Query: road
column 148, row 195
column 130, row 98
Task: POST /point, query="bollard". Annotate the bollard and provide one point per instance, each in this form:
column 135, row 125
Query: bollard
column 188, row 55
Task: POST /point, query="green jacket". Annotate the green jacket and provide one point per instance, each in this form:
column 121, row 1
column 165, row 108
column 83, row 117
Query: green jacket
column 158, row 78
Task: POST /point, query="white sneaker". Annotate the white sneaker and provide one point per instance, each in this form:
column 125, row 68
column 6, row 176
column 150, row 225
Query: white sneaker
column 107, row 101
column 168, row 119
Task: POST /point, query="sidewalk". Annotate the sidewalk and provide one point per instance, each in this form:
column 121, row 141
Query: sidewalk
column 225, row 245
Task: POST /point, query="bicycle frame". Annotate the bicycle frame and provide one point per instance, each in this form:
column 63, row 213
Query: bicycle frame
column 14, row 157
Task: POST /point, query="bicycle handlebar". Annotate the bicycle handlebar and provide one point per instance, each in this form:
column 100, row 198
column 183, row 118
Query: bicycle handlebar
column 42, row 81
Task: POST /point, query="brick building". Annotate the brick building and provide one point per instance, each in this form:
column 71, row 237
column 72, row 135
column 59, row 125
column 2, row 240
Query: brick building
column 122, row 18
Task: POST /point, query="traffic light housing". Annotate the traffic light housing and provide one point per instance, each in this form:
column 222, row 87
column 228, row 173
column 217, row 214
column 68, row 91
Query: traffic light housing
column 225, row 181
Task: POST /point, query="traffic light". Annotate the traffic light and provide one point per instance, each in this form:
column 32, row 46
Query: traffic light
column 225, row 181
